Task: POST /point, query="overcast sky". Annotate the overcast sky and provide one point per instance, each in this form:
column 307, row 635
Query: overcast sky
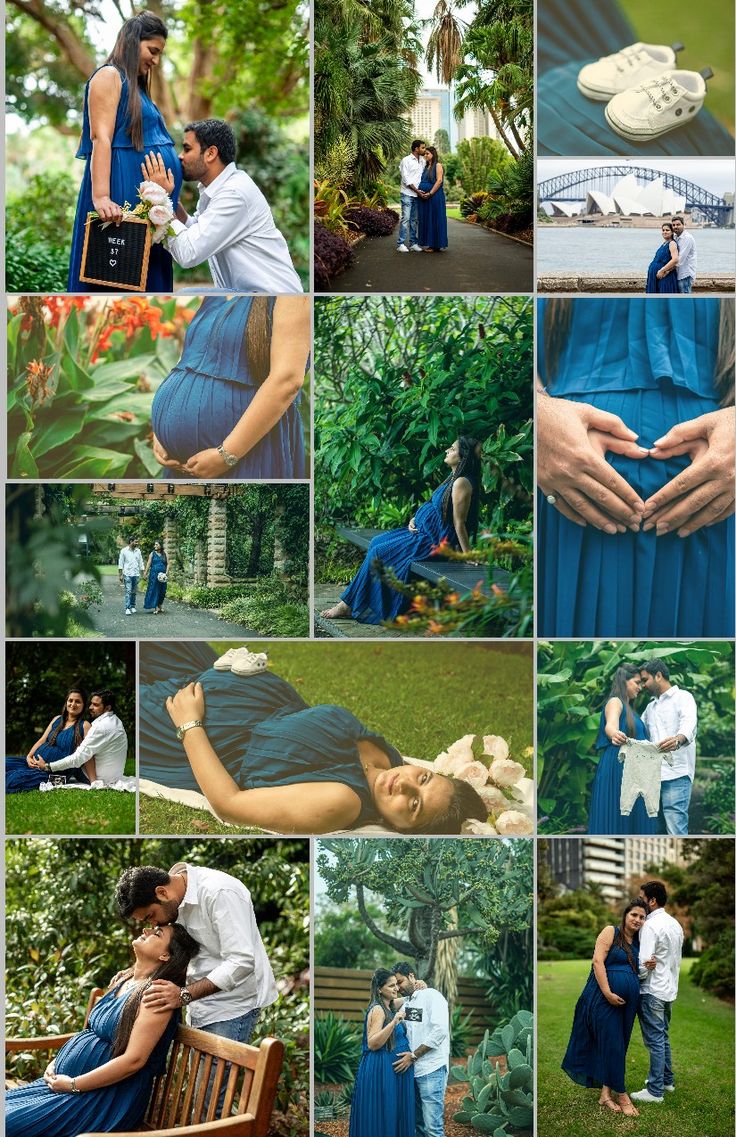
column 715, row 174
column 424, row 9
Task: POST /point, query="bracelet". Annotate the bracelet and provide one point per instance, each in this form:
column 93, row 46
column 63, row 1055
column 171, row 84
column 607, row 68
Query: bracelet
column 229, row 459
column 75, row 1089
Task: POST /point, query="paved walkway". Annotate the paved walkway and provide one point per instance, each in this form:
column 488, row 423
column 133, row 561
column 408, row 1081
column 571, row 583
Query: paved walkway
column 326, row 596
column 178, row 621
column 476, row 260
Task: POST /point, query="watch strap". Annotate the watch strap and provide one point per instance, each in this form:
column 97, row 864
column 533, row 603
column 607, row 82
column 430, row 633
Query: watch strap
column 185, row 726
column 229, row 459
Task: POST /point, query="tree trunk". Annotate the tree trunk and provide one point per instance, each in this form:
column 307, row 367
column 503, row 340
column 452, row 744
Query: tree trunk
column 71, row 45
column 199, row 106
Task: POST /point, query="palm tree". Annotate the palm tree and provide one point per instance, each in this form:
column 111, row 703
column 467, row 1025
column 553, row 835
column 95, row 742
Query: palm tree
column 445, row 43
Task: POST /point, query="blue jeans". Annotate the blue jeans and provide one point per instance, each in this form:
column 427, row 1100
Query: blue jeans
column 675, row 804
column 654, row 1019
column 685, row 283
column 239, row 1030
column 408, row 230
column 131, row 587
column 429, row 1095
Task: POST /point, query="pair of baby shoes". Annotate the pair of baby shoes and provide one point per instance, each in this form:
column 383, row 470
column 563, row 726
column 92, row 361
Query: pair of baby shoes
column 241, row 661
column 646, row 93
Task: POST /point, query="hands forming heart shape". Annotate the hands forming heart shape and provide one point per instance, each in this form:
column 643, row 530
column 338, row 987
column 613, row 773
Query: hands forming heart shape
column 573, row 439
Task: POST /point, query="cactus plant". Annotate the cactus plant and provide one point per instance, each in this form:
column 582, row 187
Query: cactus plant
column 498, row 1102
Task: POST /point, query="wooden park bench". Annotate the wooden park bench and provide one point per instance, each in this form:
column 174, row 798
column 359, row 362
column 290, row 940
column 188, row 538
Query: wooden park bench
column 177, row 1105
column 462, row 577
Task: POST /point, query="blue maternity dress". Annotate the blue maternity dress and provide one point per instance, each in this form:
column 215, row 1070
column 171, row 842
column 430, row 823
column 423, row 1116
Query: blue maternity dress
column 653, row 365
column 383, row 1101
column 605, row 816
column 370, row 600
column 125, row 178
column 35, row 1109
column 259, row 726
column 432, row 213
column 156, row 590
column 19, row 777
column 668, row 283
column 596, row 1052
column 211, row 388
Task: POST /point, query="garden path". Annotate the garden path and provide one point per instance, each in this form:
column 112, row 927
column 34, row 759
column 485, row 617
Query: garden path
column 325, row 595
column 476, row 260
column 178, row 620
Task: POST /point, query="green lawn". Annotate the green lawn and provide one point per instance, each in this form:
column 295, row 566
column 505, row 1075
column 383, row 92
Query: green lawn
column 421, row 696
column 707, row 31
column 69, row 812
column 701, row 1034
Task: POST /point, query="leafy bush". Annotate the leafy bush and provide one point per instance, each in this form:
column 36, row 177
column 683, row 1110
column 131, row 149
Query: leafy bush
column 718, row 798
column 713, row 970
column 478, row 161
column 39, row 234
column 335, row 1048
column 372, row 222
column 471, row 204
column 332, row 255
column 199, row 596
column 33, row 265
column 495, row 1100
column 266, row 618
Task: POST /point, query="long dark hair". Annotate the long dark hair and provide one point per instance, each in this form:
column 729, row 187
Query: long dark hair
column 181, row 949
column 468, row 467
column 125, row 55
column 78, row 731
column 618, row 939
column 433, row 151
column 618, row 691
column 466, row 803
column 258, row 337
column 380, row 978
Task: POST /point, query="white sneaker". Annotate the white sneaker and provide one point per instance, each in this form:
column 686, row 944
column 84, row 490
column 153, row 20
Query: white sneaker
column 248, row 662
column 127, row 612
column 633, row 65
column 645, row 1096
column 133, row 609
column 402, row 249
column 224, row 663
column 656, row 107
column 667, row 1089
column 417, row 249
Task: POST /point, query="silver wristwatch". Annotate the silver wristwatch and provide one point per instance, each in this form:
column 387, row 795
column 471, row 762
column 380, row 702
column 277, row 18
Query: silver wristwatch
column 229, row 459
column 185, row 997
column 185, row 726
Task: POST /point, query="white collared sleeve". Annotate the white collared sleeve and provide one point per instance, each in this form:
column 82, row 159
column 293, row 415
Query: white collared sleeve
column 86, row 749
column 687, row 715
column 234, row 924
column 221, row 225
column 439, row 1024
column 647, row 944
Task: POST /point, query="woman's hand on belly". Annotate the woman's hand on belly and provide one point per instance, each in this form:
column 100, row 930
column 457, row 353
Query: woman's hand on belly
column 703, row 494
column 162, row 456
column 206, row 464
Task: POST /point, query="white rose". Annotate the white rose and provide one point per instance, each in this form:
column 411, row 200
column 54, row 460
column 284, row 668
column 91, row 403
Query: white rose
column 478, row 828
column 493, row 799
column 495, row 746
column 457, row 755
column 514, row 824
column 152, row 193
column 504, row 772
column 474, row 773
column 523, row 793
column 160, row 215
column 159, row 233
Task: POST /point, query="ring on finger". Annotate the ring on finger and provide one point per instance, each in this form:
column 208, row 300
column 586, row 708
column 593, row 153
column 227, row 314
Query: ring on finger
column 552, row 500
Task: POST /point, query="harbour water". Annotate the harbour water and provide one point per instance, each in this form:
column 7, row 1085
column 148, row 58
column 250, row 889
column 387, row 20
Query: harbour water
column 589, row 249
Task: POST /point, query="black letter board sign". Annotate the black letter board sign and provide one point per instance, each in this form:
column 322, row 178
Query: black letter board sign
column 116, row 255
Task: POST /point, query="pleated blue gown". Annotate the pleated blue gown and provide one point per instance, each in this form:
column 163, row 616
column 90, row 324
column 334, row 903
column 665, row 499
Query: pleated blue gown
column 654, row 366
column 125, row 178
column 668, row 283
column 383, row 1101
column 211, row 388
column 19, row 777
column 605, row 816
column 156, row 590
column 432, row 213
column 571, row 33
column 596, row 1052
column 259, row 726
column 35, row 1111
column 370, row 600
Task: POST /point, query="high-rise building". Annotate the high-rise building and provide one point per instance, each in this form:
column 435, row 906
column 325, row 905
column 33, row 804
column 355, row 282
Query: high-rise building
column 608, row 861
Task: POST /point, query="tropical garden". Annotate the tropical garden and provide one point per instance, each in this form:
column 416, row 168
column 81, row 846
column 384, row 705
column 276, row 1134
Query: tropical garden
column 241, row 60
column 367, row 78
column 460, row 914
column 64, row 936
column 82, row 375
column 398, row 379
column 573, row 684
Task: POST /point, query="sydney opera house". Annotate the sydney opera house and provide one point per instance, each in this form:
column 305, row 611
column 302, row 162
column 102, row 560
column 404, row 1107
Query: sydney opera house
column 628, row 198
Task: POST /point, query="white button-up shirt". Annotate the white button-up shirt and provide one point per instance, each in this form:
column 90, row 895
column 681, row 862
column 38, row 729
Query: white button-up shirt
column 234, row 231
column 660, row 937
column 674, row 712
column 432, row 1031
column 130, row 561
column 410, row 171
column 688, row 262
column 106, row 742
column 217, row 911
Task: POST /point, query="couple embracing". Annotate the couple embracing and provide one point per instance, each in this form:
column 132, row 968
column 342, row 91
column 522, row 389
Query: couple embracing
column 402, row 1077
column 673, row 267
column 423, row 225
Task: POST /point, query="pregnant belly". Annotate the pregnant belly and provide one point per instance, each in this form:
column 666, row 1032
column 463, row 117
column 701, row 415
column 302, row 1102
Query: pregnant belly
column 192, row 412
column 624, row 983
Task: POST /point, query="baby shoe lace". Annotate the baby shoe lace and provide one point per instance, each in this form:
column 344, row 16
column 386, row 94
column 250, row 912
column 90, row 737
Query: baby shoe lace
column 628, row 58
column 661, row 90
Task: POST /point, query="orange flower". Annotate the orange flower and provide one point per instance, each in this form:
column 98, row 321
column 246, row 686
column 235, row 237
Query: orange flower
column 402, row 620
column 441, row 548
column 419, row 604
column 478, row 590
column 435, row 628
column 37, row 377
column 452, row 597
column 497, row 590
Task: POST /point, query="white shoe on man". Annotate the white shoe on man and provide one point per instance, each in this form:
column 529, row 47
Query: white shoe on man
column 402, row 249
column 133, row 610
column 417, row 249
column 127, row 612
column 633, row 65
column 654, row 108
column 645, row 1096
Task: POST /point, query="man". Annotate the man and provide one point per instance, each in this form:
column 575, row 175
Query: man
column 232, row 228
column 106, row 743
column 411, row 169
column 130, row 568
column 660, row 937
column 428, row 1027
column 688, row 263
column 230, row 979
column 671, row 719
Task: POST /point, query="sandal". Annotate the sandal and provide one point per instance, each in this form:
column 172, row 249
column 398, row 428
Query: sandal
column 609, row 1103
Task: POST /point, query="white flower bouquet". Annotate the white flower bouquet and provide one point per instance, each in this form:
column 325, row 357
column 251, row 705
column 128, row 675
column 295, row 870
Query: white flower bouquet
column 500, row 782
column 155, row 207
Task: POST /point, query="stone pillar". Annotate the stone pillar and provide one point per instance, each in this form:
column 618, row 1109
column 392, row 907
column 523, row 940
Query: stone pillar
column 200, row 563
column 279, row 556
column 170, row 538
column 217, row 543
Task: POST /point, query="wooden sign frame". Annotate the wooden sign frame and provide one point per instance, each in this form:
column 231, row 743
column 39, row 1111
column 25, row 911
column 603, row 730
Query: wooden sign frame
column 141, row 285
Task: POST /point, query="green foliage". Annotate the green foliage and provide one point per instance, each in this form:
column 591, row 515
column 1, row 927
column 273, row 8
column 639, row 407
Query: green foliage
column 269, row 609
column 335, row 1049
column 708, row 891
column 511, row 189
column 461, row 1031
column 568, row 925
column 342, row 939
column 500, row 1102
column 573, row 683
column 102, row 813
column 718, row 799
column 480, row 160
column 32, row 265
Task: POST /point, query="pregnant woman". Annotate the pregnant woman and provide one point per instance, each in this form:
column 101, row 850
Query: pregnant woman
column 450, row 515
column 605, row 1012
column 120, row 124
column 101, row 1079
column 635, row 460
column 383, row 1101
column 262, row 756
column 230, row 407
column 432, row 207
column 60, row 739
column 662, row 271
column 619, row 721
column 156, row 566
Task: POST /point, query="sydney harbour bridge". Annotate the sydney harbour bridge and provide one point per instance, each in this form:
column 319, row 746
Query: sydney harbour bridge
column 574, row 186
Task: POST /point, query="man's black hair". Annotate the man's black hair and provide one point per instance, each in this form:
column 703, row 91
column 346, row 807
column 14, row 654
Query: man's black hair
column 215, row 132
column 415, row 143
column 404, row 968
column 137, row 888
column 655, row 665
column 108, row 699
column 655, row 890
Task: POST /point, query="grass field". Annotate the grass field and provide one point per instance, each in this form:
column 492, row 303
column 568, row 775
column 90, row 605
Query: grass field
column 707, row 31
column 69, row 812
column 702, row 1039
column 422, row 697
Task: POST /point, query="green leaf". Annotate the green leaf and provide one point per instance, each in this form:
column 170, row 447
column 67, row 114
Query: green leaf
column 24, row 465
column 120, row 369
column 146, row 455
column 56, row 432
column 90, row 462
